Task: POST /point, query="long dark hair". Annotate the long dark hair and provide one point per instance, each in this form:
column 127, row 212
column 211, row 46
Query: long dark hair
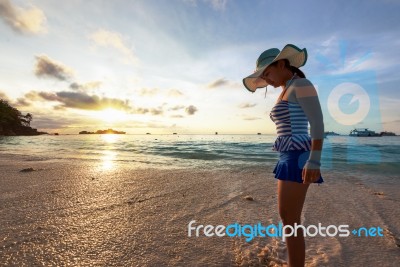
column 291, row 68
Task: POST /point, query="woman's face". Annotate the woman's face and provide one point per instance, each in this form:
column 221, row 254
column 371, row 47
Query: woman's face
column 273, row 75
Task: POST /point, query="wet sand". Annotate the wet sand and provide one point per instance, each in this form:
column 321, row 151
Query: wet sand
column 76, row 213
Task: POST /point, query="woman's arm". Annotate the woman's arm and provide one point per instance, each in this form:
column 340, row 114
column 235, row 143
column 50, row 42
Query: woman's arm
column 307, row 97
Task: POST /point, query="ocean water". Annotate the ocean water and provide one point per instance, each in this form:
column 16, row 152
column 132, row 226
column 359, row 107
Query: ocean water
column 371, row 156
column 161, row 151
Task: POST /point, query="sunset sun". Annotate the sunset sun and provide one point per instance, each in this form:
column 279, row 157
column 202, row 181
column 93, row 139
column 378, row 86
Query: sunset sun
column 111, row 115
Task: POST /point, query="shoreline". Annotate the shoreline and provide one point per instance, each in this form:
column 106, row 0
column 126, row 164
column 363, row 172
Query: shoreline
column 68, row 213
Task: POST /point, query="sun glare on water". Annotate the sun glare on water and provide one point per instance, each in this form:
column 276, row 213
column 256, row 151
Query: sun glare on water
column 110, row 138
column 107, row 161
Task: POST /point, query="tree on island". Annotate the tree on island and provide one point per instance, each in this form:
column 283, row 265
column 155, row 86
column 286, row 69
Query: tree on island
column 26, row 120
column 12, row 122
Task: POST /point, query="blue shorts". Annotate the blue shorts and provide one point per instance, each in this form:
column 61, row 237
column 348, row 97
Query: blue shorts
column 290, row 166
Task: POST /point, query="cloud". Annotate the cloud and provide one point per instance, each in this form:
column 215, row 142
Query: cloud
column 22, row 102
column 3, row 96
column 114, row 40
column 28, row 20
column 47, row 67
column 247, row 118
column 218, row 83
column 34, row 96
column 338, row 56
column 80, row 100
column 215, row 4
column 152, row 111
column 156, row 111
column 191, row 110
column 91, row 102
column 85, row 86
column 218, row 4
column 156, row 91
column 176, row 108
column 174, row 92
column 43, row 121
column 141, row 110
column 177, row 116
column 149, row 92
column 247, row 105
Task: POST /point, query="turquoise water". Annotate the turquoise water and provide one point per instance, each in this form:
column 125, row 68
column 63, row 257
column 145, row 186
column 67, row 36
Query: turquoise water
column 147, row 150
column 373, row 155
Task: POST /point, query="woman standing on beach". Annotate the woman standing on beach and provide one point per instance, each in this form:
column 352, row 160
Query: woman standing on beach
column 299, row 152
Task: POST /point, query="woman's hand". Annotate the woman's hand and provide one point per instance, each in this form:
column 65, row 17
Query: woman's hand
column 311, row 172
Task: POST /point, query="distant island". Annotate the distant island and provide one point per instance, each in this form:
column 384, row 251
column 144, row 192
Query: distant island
column 108, row 131
column 13, row 123
column 330, row 133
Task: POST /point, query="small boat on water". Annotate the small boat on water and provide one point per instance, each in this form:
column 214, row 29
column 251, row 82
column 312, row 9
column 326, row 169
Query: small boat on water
column 363, row 132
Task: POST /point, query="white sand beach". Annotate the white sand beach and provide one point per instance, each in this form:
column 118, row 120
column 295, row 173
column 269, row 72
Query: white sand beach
column 73, row 213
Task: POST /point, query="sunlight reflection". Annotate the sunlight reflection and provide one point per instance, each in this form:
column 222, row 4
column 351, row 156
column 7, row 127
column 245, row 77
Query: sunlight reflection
column 107, row 161
column 110, row 138
column 109, row 156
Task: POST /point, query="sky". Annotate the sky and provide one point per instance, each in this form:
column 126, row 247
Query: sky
column 176, row 66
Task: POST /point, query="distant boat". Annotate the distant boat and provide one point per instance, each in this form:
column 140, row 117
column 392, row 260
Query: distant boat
column 216, row 132
column 148, row 133
column 385, row 133
column 363, row 132
column 174, row 133
column 258, row 133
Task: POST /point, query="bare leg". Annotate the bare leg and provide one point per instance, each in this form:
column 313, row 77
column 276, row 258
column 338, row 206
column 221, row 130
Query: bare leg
column 291, row 196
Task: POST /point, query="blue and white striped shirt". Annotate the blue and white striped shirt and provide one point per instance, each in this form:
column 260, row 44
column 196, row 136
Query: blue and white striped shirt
column 291, row 126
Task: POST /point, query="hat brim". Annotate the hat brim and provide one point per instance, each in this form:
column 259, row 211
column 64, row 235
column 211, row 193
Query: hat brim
column 253, row 81
column 297, row 57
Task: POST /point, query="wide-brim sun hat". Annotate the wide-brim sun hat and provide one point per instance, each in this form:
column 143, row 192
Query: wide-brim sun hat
column 297, row 57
